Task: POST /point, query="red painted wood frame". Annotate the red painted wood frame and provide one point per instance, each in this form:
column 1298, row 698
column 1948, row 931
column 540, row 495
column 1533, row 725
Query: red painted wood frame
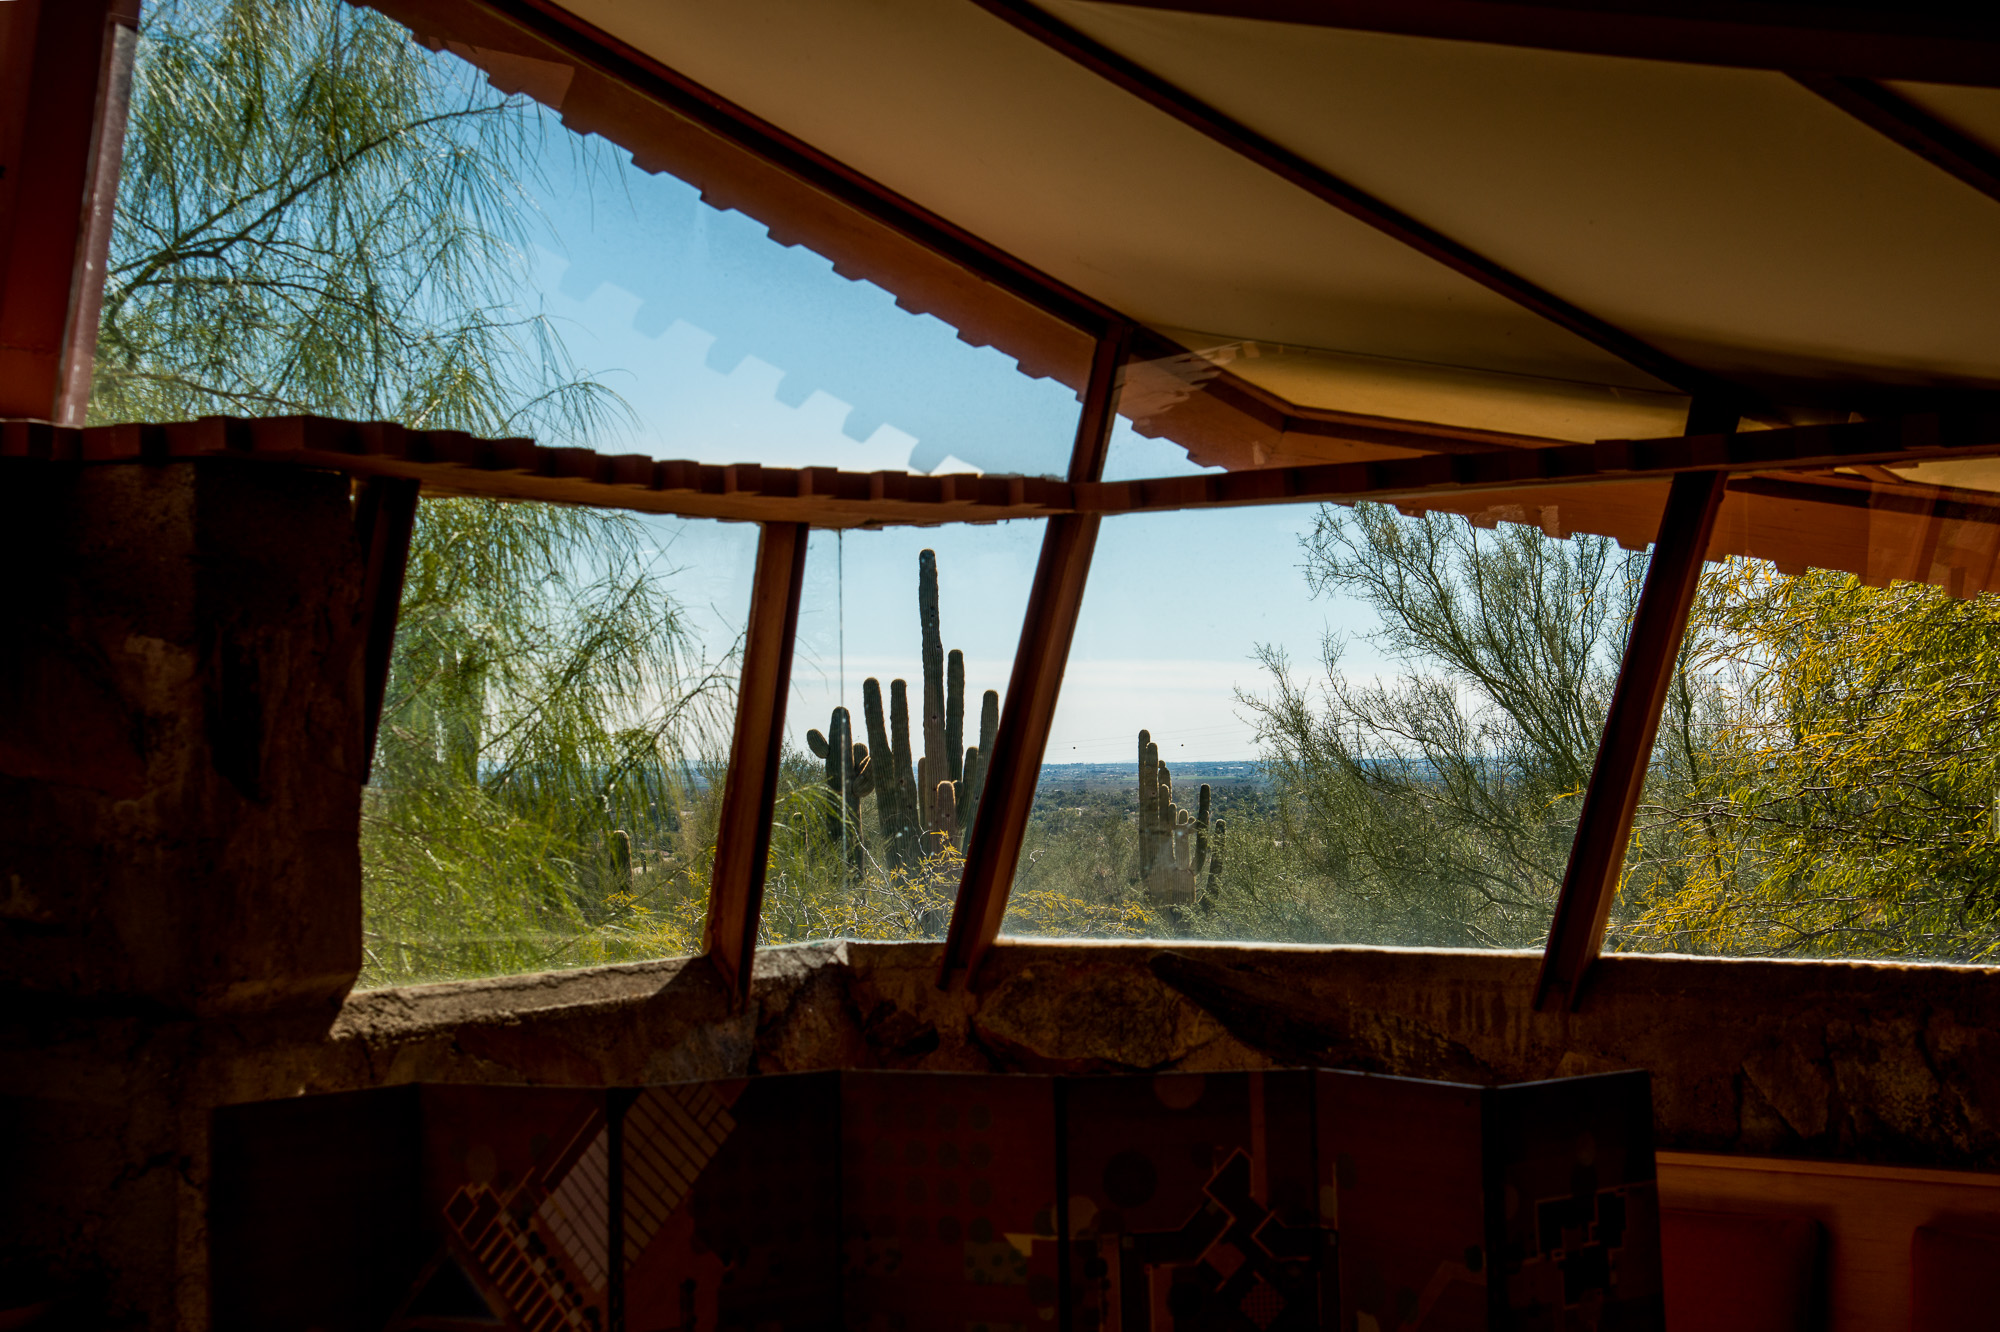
column 65, row 72
column 743, row 836
column 1652, row 650
column 1054, row 599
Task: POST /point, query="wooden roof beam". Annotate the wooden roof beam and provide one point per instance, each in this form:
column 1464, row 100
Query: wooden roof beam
column 1364, row 207
column 453, row 463
column 1916, row 129
column 1881, row 39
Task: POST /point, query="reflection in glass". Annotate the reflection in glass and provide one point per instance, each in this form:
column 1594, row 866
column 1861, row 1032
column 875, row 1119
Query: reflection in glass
column 1233, row 403
column 906, row 639
column 319, row 215
column 1324, row 724
column 549, row 770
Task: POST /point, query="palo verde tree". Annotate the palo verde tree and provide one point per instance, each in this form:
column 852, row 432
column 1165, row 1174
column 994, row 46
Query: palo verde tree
column 1439, row 807
column 317, row 216
column 1843, row 796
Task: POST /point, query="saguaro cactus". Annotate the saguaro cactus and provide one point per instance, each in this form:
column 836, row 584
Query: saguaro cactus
column 849, row 776
column 937, row 756
column 1173, row 842
column 928, row 799
column 895, row 789
column 973, row 783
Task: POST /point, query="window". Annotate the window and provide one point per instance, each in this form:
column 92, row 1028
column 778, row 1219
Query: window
column 1827, row 782
column 1324, row 724
column 460, row 225
column 318, row 214
column 906, row 640
column 1211, row 401
column 549, row 770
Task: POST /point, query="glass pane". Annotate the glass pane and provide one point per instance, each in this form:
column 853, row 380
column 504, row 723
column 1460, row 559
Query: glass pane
column 1827, row 782
column 1324, row 724
column 1196, row 401
column 318, row 214
column 906, row 640
column 553, row 746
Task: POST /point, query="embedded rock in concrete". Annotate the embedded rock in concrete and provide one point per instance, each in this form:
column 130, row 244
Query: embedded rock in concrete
column 1084, row 1016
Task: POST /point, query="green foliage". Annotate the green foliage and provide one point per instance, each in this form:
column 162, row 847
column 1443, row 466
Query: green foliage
column 1438, row 807
column 546, row 712
column 1842, row 797
column 316, row 215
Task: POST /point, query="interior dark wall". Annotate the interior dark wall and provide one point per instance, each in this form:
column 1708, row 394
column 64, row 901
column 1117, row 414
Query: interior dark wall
column 313, row 1203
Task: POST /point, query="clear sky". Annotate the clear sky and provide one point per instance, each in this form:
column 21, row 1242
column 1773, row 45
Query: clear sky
column 729, row 347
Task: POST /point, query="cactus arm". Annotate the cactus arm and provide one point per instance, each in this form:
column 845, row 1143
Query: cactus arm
column 816, row 743
column 989, row 727
column 933, row 663
column 883, row 767
column 944, row 800
column 954, row 712
column 902, row 772
column 1201, row 829
column 840, row 762
column 968, row 790
column 989, row 723
column 1148, row 788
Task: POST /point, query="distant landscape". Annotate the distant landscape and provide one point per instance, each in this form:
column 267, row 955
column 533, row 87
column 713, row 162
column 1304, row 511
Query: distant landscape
column 1187, row 773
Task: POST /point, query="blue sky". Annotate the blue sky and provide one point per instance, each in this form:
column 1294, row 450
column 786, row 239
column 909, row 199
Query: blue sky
column 731, row 348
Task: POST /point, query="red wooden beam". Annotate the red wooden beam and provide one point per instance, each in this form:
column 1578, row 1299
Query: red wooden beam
column 453, row 463
column 65, row 73
column 743, row 836
column 1046, row 630
column 1604, row 826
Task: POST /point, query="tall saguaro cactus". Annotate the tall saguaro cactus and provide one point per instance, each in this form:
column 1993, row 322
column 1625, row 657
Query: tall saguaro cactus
column 922, row 801
column 1173, row 842
column 937, row 758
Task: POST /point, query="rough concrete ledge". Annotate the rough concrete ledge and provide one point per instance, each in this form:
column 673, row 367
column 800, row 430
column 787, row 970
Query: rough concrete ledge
column 1860, row 1061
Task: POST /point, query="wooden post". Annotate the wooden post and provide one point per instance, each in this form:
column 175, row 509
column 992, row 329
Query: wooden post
column 1576, row 934
column 385, row 516
column 65, row 75
column 1030, row 707
column 743, row 838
